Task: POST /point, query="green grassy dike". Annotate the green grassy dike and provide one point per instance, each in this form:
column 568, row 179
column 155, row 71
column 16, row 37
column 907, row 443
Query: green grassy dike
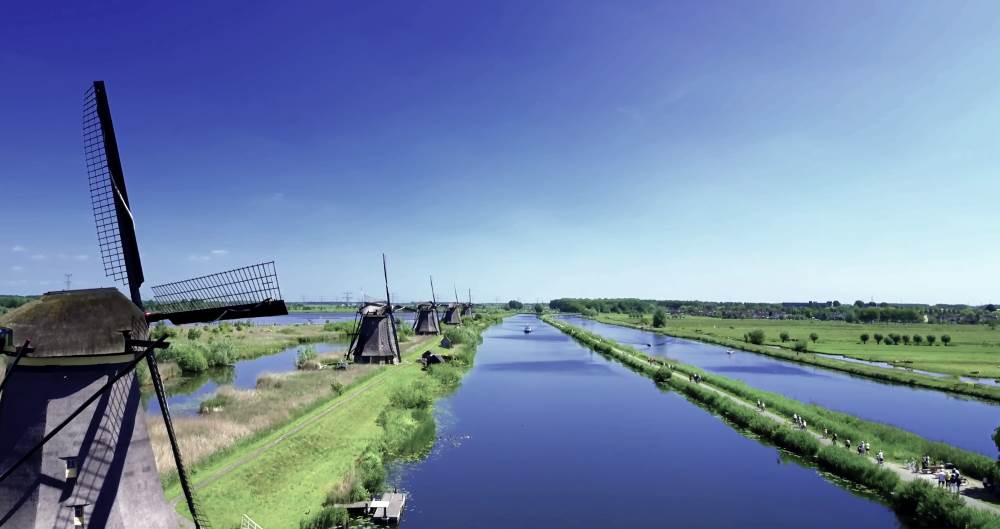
column 895, row 376
column 335, row 451
column 916, row 500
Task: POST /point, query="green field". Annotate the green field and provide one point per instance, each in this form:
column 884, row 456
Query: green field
column 974, row 349
column 291, row 480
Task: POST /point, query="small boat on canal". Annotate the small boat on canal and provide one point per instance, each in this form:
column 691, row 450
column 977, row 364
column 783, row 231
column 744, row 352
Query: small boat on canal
column 527, row 329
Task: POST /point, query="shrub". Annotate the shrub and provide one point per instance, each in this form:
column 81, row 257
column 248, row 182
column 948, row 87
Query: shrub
column 917, row 339
column 864, row 338
column 784, row 336
column 662, row 375
column 945, row 339
column 460, row 335
column 194, row 333
column 415, row 395
column 930, row 339
column 878, row 338
column 328, row 518
column 220, row 353
column 888, row 341
column 800, row 346
column 756, row 336
column 337, row 387
column 306, row 354
column 813, row 336
column 268, row 381
column 215, row 401
column 189, row 356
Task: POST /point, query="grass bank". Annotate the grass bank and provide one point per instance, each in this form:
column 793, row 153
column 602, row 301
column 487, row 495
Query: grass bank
column 893, row 375
column 330, row 451
column 927, row 505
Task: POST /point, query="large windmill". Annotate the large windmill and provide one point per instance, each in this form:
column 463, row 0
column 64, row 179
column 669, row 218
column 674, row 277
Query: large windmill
column 374, row 340
column 74, row 448
column 427, row 316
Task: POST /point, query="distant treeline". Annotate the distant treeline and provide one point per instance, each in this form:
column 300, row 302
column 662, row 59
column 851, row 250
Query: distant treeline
column 859, row 311
column 10, row 302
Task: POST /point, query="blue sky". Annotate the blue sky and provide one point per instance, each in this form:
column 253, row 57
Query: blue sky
column 730, row 151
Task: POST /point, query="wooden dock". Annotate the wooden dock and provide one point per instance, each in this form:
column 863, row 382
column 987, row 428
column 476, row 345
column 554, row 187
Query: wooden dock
column 387, row 509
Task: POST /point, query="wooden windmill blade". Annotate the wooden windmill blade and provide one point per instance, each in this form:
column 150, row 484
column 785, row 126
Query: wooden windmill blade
column 117, row 242
column 388, row 302
column 109, row 197
column 247, row 292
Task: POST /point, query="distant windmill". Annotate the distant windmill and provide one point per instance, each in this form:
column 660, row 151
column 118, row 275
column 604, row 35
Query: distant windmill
column 467, row 307
column 427, row 316
column 453, row 314
column 74, row 448
column 374, row 340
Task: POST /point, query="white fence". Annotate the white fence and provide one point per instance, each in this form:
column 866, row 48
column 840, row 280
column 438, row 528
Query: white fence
column 248, row 523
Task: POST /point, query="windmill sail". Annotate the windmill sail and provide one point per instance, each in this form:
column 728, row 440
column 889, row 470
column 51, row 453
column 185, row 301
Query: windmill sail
column 109, row 198
column 247, row 292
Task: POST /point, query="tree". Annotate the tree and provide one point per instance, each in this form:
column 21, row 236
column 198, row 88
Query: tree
column 996, row 437
column 864, row 338
column 515, row 305
column 659, row 317
column 813, row 336
column 889, row 341
column 930, row 339
column 906, row 339
column 917, row 339
column 800, row 346
column 991, row 308
column 539, row 309
column 756, row 336
column 836, row 303
column 858, row 303
column 945, row 339
column 784, row 336
column 878, row 338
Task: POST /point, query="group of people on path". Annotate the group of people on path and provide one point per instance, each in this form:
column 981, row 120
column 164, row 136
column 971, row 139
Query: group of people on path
column 695, row 377
column 800, row 422
column 761, row 405
column 950, row 479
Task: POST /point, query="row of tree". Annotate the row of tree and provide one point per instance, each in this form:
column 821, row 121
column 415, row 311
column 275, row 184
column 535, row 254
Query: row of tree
column 905, row 339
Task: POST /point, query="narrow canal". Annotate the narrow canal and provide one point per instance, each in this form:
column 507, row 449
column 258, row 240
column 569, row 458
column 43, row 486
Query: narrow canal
column 184, row 395
column 960, row 421
column 544, row 433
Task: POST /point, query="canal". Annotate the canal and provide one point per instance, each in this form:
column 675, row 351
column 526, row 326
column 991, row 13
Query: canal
column 545, row 433
column 936, row 415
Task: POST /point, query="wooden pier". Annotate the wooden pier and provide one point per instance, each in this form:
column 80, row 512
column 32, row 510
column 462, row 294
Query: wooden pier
column 387, row 509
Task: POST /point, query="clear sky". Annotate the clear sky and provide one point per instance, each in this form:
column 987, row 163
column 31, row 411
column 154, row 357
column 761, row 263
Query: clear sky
column 738, row 150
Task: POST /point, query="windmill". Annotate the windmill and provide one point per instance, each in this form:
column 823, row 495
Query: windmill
column 427, row 316
column 467, row 307
column 453, row 314
column 374, row 340
column 74, row 448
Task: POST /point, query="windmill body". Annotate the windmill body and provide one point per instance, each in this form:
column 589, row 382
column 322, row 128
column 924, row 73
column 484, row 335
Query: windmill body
column 453, row 315
column 375, row 340
column 99, row 471
column 427, row 319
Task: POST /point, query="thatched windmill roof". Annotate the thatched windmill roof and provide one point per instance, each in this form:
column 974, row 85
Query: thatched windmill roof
column 76, row 322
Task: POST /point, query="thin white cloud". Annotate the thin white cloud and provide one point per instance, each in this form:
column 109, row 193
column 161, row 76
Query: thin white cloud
column 80, row 257
column 18, row 248
column 199, row 258
column 16, row 268
column 38, row 257
column 220, row 252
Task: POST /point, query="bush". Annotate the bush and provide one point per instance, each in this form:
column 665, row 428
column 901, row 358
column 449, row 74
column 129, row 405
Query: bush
column 189, row 357
column 417, row 394
column 930, row 339
column 662, row 375
column 800, row 347
column 756, row 336
column 917, row 339
column 268, row 381
column 194, row 333
column 306, row 354
column 337, row 387
column 945, row 339
column 461, row 335
column 328, row 518
column 813, row 336
column 784, row 336
column 220, row 353
column 215, row 401
column 864, row 338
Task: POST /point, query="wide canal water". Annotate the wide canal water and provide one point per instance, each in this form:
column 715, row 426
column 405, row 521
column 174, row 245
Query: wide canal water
column 960, row 421
column 545, row 433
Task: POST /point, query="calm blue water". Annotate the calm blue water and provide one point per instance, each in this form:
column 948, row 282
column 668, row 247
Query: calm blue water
column 544, row 433
column 319, row 318
column 963, row 422
column 185, row 396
